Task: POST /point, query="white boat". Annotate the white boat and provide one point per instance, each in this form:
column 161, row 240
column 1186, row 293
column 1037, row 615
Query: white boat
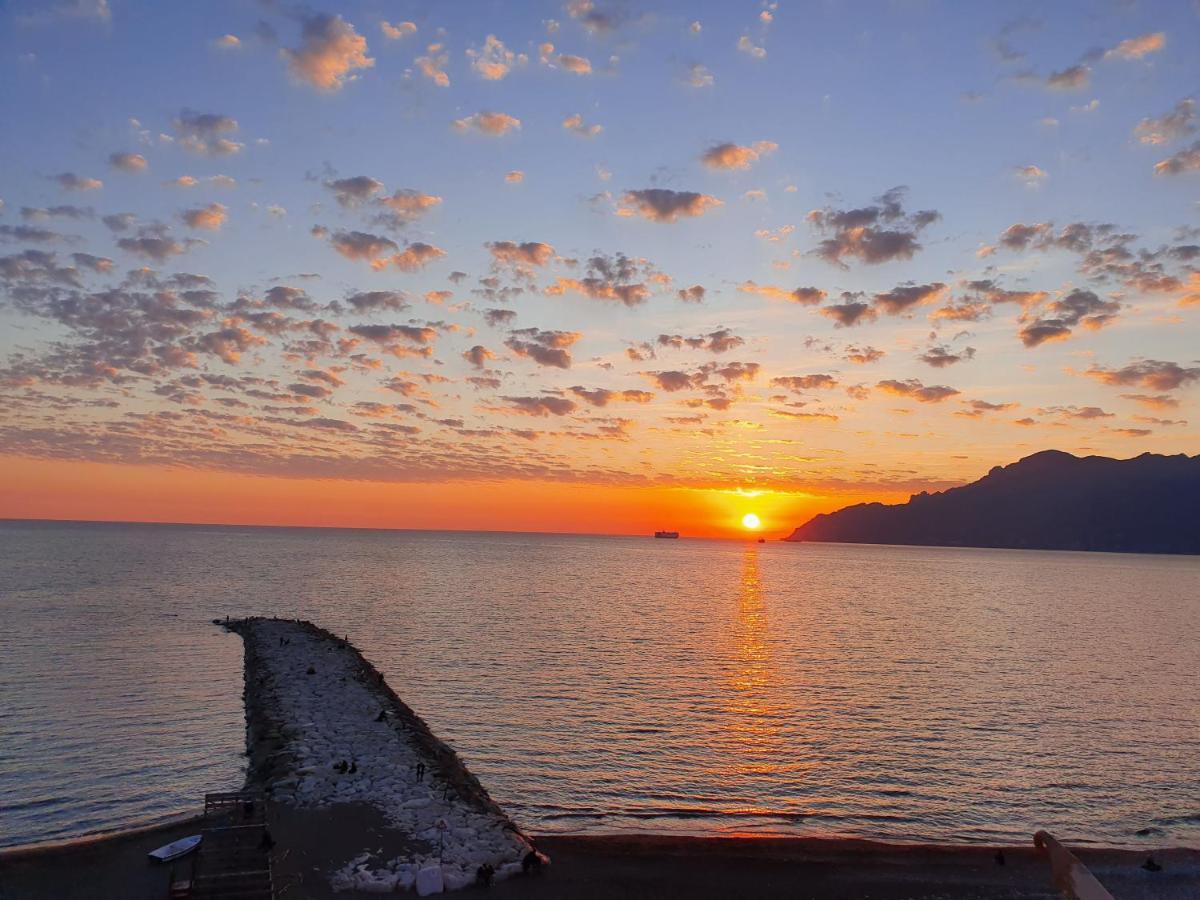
column 176, row 849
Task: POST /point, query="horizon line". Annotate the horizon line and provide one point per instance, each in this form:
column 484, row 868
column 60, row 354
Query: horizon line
column 5, row 520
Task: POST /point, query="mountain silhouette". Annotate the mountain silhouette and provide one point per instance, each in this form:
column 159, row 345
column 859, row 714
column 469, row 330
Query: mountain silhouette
column 1048, row 501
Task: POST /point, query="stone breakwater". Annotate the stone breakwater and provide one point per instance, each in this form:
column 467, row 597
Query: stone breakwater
column 324, row 728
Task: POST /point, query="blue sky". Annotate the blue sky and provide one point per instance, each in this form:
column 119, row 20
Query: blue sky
column 835, row 105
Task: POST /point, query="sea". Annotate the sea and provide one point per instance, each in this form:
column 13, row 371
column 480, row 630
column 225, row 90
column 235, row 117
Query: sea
column 626, row 684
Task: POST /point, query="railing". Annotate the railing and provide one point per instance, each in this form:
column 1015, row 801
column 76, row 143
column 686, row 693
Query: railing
column 1068, row 873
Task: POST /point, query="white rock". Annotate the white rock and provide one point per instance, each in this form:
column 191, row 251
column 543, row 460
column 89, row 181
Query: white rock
column 429, row 881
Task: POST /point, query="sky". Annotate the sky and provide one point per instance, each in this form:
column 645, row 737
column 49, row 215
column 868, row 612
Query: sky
column 586, row 266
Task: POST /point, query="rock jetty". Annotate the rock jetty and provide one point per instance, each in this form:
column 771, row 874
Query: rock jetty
column 324, row 729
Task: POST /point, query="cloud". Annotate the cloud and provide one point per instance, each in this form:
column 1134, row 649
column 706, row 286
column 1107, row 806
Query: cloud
column 1057, row 318
column 416, row 256
column 618, row 277
column 1073, row 78
column 733, row 156
column 747, row 46
column 330, row 53
column 351, row 192
column 71, row 182
column 901, row 299
column 806, row 296
column 941, row 356
column 156, row 243
column 1154, row 401
column 671, row 381
column 516, row 176
column 404, row 206
column 1137, row 47
column 579, row 65
column 433, row 65
column 1031, row 175
column 575, row 125
column 362, row 245
column 1178, row 123
column 227, row 42
column 521, row 255
column 489, row 123
column 478, row 356
column 546, row 348
column 864, row 355
column 700, row 77
column 541, row 406
column 874, row 234
column 693, row 294
column 591, row 18
column 128, row 162
column 602, row 396
column 208, row 218
column 389, row 335
column 1152, row 374
column 64, row 211
column 229, row 343
column 1186, row 160
column 798, row 383
column 493, row 60
column 499, row 317
column 397, row 31
column 663, row 205
column 28, row 234
column 206, row 134
column 369, row 301
column 720, row 341
column 915, row 390
column 849, row 312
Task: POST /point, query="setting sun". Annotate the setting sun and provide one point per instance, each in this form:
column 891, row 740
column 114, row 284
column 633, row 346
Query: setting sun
column 751, row 521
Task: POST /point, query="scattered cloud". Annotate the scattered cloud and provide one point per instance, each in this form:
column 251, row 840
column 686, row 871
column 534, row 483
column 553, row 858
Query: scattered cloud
column 330, row 54
column 397, row 31
column 1151, row 374
column 206, row 134
column 663, row 205
column 208, row 218
column 493, row 61
column 575, row 125
column 734, row 156
column 1178, row 123
column 433, row 65
column 1137, row 47
column 806, row 296
column 875, row 234
column 69, row 181
column 128, row 162
column 489, row 123
column 546, row 348
column 915, row 390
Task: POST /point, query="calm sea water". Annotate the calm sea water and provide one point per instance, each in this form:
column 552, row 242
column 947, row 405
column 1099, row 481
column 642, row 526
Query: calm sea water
column 622, row 684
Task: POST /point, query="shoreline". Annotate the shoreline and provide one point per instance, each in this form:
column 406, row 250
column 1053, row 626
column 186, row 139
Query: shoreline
column 653, row 865
column 1078, row 845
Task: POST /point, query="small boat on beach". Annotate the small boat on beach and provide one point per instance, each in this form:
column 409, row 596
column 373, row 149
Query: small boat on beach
column 176, row 849
column 666, row 534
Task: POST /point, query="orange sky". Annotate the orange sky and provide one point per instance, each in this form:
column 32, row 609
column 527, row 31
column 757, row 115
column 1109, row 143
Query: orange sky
column 51, row 489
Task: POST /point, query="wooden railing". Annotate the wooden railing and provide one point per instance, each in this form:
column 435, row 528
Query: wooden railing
column 1069, row 874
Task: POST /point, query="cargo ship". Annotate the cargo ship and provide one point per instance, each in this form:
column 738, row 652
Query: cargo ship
column 666, row 534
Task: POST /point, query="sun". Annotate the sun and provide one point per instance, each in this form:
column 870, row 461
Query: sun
column 751, row 521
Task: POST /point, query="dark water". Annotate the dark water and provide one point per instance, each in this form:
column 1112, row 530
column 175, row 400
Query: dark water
column 622, row 684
